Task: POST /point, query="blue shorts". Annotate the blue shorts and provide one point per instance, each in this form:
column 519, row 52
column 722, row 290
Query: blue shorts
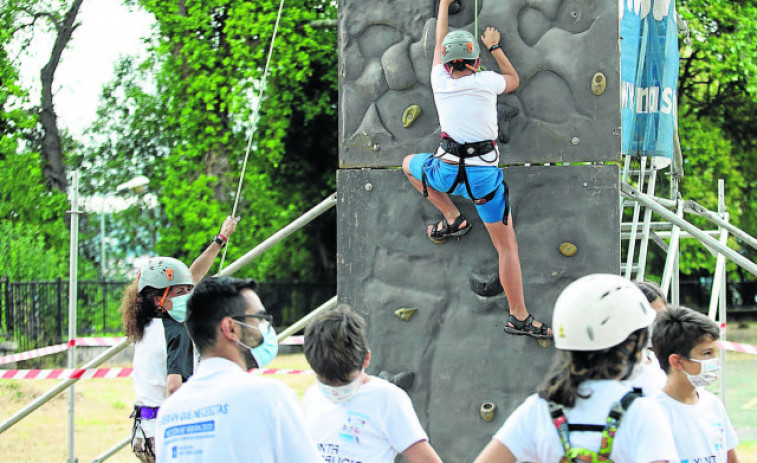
column 483, row 180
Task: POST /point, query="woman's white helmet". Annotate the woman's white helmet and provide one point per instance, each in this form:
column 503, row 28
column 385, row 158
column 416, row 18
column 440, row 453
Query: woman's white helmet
column 599, row 311
column 163, row 272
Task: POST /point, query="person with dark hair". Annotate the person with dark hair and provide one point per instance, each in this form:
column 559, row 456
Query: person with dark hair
column 467, row 160
column 654, row 295
column 647, row 374
column 223, row 414
column 353, row 416
column 152, row 311
column 686, row 344
column 582, row 412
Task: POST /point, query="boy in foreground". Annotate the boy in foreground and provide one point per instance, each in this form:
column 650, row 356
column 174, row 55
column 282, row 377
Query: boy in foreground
column 351, row 415
column 685, row 342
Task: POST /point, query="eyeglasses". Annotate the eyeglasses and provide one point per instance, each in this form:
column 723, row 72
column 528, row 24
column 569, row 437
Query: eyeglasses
column 262, row 316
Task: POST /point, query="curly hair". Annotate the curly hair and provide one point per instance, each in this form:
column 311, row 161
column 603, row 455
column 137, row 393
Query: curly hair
column 137, row 309
column 571, row 368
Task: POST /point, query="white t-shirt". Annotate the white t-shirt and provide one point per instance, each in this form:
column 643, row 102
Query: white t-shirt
column 652, row 379
column 702, row 431
column 644, row 434
column 165, row 348
column 467, row 108
column 223, row 414
column 372, row 427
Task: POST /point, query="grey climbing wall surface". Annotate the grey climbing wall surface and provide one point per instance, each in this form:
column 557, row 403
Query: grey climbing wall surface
column 566, row 109
column 454, row 341
column 565, row 51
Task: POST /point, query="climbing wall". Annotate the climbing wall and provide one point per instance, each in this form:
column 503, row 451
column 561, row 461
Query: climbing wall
column 566, row 216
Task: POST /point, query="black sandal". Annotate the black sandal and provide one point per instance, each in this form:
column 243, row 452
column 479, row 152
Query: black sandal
column 526, row 327
column 439, row 234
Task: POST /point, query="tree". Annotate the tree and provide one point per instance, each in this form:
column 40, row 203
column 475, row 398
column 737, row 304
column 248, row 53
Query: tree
column 189, row 134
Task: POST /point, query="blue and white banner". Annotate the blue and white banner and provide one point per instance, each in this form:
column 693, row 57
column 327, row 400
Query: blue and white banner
column 649, row 76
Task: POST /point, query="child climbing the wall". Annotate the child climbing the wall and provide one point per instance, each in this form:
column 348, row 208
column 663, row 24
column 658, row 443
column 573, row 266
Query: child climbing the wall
column 467, row 161
column 581, row 411
column 352, row 416
column 685, row 342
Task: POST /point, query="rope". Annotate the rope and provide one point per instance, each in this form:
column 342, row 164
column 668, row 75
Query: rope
column 255, row 118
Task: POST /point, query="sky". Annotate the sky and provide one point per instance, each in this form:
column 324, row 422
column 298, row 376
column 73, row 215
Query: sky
column 108, row 30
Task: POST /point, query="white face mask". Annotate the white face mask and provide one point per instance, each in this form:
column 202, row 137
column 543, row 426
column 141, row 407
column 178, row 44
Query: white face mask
column 340, row 394
column 708, row 372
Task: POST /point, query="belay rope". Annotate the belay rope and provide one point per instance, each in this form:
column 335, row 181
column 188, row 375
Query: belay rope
column 255, row 118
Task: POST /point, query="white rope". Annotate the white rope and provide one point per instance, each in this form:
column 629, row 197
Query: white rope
column 255, row 118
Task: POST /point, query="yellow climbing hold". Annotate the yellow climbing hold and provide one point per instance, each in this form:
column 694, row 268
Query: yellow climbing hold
column 405, row 313
column 411, row 113
column 487, row 411
column 568, row 249
column 598, row 83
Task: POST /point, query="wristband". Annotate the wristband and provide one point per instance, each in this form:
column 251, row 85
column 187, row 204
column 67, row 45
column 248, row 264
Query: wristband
column 217, row 239
column 223, row 237
column 494, row 47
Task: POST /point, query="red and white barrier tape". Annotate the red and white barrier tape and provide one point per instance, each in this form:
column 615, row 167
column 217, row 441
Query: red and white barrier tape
column 96, row 342
column 111, row 373
column 737, row 347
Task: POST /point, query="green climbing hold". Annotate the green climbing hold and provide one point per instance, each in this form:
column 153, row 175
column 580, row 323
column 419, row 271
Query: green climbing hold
column 411, row 113
column 405, row 313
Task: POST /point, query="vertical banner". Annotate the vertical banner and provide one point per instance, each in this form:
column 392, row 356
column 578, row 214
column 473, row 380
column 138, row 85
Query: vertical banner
column 649, row 76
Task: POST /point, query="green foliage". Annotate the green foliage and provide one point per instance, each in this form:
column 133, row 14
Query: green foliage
column 189, row 135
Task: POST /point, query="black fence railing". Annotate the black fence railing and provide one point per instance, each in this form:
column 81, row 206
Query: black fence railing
column 35, row 313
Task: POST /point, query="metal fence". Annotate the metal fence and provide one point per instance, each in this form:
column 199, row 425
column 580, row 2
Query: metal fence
column 35, row 313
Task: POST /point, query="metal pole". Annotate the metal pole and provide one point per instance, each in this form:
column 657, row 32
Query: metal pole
column 109, row 453
column 39, row 401
column 72, row 293
column 298, row 223
column 735, row 231
column 635, row 221
column 306, row 319
column 645, row 231
column 675, row 239
column 723, row 284
column 703, row 238
column 102, row 237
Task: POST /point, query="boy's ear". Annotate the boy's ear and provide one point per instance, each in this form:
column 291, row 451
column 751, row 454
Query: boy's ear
column 367, row 360
column 675, row 361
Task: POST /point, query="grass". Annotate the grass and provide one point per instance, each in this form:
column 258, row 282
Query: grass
column 103, row 408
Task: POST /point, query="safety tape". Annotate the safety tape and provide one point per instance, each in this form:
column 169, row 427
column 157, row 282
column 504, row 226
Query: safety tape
column 737, row 347
column 111, row 373
column 97, row 342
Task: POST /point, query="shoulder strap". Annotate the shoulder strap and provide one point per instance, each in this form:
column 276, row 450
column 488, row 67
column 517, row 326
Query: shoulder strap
column 614, row 419
column 560, row 421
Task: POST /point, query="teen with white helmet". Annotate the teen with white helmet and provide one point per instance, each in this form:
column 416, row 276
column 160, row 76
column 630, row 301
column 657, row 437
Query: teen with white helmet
column 153, row 311
column 582, row 412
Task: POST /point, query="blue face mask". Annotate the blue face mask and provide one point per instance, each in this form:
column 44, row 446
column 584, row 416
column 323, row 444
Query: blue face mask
column 267, row 350
column 179, row 310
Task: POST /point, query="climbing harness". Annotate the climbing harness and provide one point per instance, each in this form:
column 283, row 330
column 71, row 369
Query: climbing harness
column 465, row 151
column 255, row 118
column 608, row 430
column 142, row 413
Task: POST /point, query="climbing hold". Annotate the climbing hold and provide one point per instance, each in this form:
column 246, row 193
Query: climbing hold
column 484, row 281
column 544, row 342
column 405, row 313
column 575, row 141
column 598, row 83
column 411, row 113
column 487, row 411
column 368, row 186
column 568, row 249
column 403, row 380
column 455, row 7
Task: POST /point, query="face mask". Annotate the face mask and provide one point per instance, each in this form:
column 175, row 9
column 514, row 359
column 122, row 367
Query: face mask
column 179, row 310
column 267, row 350
column 708, row 372
column 340, row 394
